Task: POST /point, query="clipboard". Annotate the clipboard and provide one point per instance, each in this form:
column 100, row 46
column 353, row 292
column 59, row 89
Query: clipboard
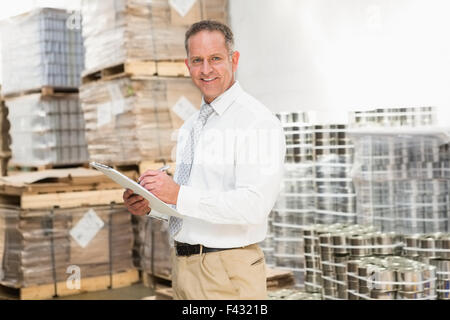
column 160, row 210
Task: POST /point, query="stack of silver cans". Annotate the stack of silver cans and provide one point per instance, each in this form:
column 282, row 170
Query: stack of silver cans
column 433, row 249
column 335, row 193
column 293, row 211
column 299, row 136
column 394, row 117
column 390, row 278
column 402, row 181
column 328, row 248
column 295, row 206
column 267, row 245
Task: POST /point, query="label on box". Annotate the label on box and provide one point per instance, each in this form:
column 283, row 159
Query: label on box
column 182, row 6
column 117, row 101
column 86, row 229
column 184, row 108
column 104, row 115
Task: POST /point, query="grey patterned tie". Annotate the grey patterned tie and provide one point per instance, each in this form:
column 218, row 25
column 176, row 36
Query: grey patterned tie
column 187, row 157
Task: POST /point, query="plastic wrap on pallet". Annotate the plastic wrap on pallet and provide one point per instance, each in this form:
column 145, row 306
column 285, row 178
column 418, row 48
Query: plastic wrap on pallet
column 401, row 179
column 39, row 49
column 130, row 120
column 152, row 247
column 115, row 31
column 47, row 130
column 394, row 117
column 295, row 205
column 334, row 190
column 433, row 249
column 267, row 245
column 45, row 246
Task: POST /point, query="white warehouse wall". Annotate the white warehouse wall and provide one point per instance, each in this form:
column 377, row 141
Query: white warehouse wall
column 333, row 56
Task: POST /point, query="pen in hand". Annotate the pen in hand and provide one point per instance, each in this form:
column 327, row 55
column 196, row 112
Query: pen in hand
column 164, row 168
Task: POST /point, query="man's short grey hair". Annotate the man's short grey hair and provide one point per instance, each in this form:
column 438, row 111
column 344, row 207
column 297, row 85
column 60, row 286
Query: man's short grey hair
column 210, row 25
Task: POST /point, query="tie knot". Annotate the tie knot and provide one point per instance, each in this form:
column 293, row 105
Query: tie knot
column 205, row 111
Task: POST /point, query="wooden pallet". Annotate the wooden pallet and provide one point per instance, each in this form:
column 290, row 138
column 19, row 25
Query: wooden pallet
column 152, row 280
column 16, row 169
column 137, row 68
column 44, row 91
column 65, row 188
column 92, row 284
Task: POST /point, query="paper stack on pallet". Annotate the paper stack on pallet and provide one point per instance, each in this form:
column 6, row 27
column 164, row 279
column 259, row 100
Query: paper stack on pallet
column 39, row 49
column 47, row 130
column 56, row 221
column 115, row 31
column 129, row 120
column 152, row 247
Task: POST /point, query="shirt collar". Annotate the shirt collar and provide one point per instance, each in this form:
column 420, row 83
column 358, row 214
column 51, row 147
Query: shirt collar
column 226, row 99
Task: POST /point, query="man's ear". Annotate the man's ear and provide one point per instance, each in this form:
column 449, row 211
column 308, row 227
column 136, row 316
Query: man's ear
column 235, row 60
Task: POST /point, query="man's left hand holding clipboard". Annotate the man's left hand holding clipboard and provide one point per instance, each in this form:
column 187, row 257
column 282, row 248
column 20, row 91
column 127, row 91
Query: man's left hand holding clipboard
column 158, row 183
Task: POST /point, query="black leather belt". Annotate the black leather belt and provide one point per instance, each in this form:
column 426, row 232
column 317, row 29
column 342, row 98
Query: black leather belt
column 186, row 249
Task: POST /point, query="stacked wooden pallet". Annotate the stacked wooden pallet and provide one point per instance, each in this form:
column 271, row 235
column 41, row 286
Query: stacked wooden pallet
column 132, row 119
column 136, row 89
column 57, row 226
column 118, row 31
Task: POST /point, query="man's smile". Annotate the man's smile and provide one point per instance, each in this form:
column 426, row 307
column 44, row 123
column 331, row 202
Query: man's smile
column 209, row 80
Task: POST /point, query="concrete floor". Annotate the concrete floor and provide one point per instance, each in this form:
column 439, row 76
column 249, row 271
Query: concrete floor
column 134, row 292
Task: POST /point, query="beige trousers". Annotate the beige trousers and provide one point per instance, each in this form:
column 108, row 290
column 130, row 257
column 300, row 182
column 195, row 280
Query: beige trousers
column 224, row 275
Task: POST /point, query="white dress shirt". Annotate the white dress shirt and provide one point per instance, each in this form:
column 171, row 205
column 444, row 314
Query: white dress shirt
column 236, row 175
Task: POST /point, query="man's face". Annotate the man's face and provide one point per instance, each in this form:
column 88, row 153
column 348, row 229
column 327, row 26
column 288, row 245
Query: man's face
column 209, row 63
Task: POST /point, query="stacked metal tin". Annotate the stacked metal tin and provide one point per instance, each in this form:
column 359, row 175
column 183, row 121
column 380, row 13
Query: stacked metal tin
column 267, row 245
column 294, row 208
column 299, row 136
column 433, row 249
column 328, row 248
column 394, row 117
column 390, row 278
column 335, row 193
column 293, row 211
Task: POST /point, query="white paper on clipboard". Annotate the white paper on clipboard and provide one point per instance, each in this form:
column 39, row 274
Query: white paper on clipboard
column 160, row 209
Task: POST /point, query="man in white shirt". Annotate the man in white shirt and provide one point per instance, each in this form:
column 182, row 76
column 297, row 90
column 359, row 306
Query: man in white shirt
column 229, row 167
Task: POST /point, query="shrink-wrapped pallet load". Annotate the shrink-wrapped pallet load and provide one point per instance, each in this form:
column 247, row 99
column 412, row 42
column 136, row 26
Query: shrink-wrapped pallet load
column 47, row 130
column 39, row 49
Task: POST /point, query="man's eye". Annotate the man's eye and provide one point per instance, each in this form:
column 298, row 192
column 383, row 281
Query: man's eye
column 196, row 61
column 216, row 58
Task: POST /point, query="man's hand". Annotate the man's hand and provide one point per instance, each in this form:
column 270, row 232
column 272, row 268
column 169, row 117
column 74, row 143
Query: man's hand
column 161, row 185
column 136, row 204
